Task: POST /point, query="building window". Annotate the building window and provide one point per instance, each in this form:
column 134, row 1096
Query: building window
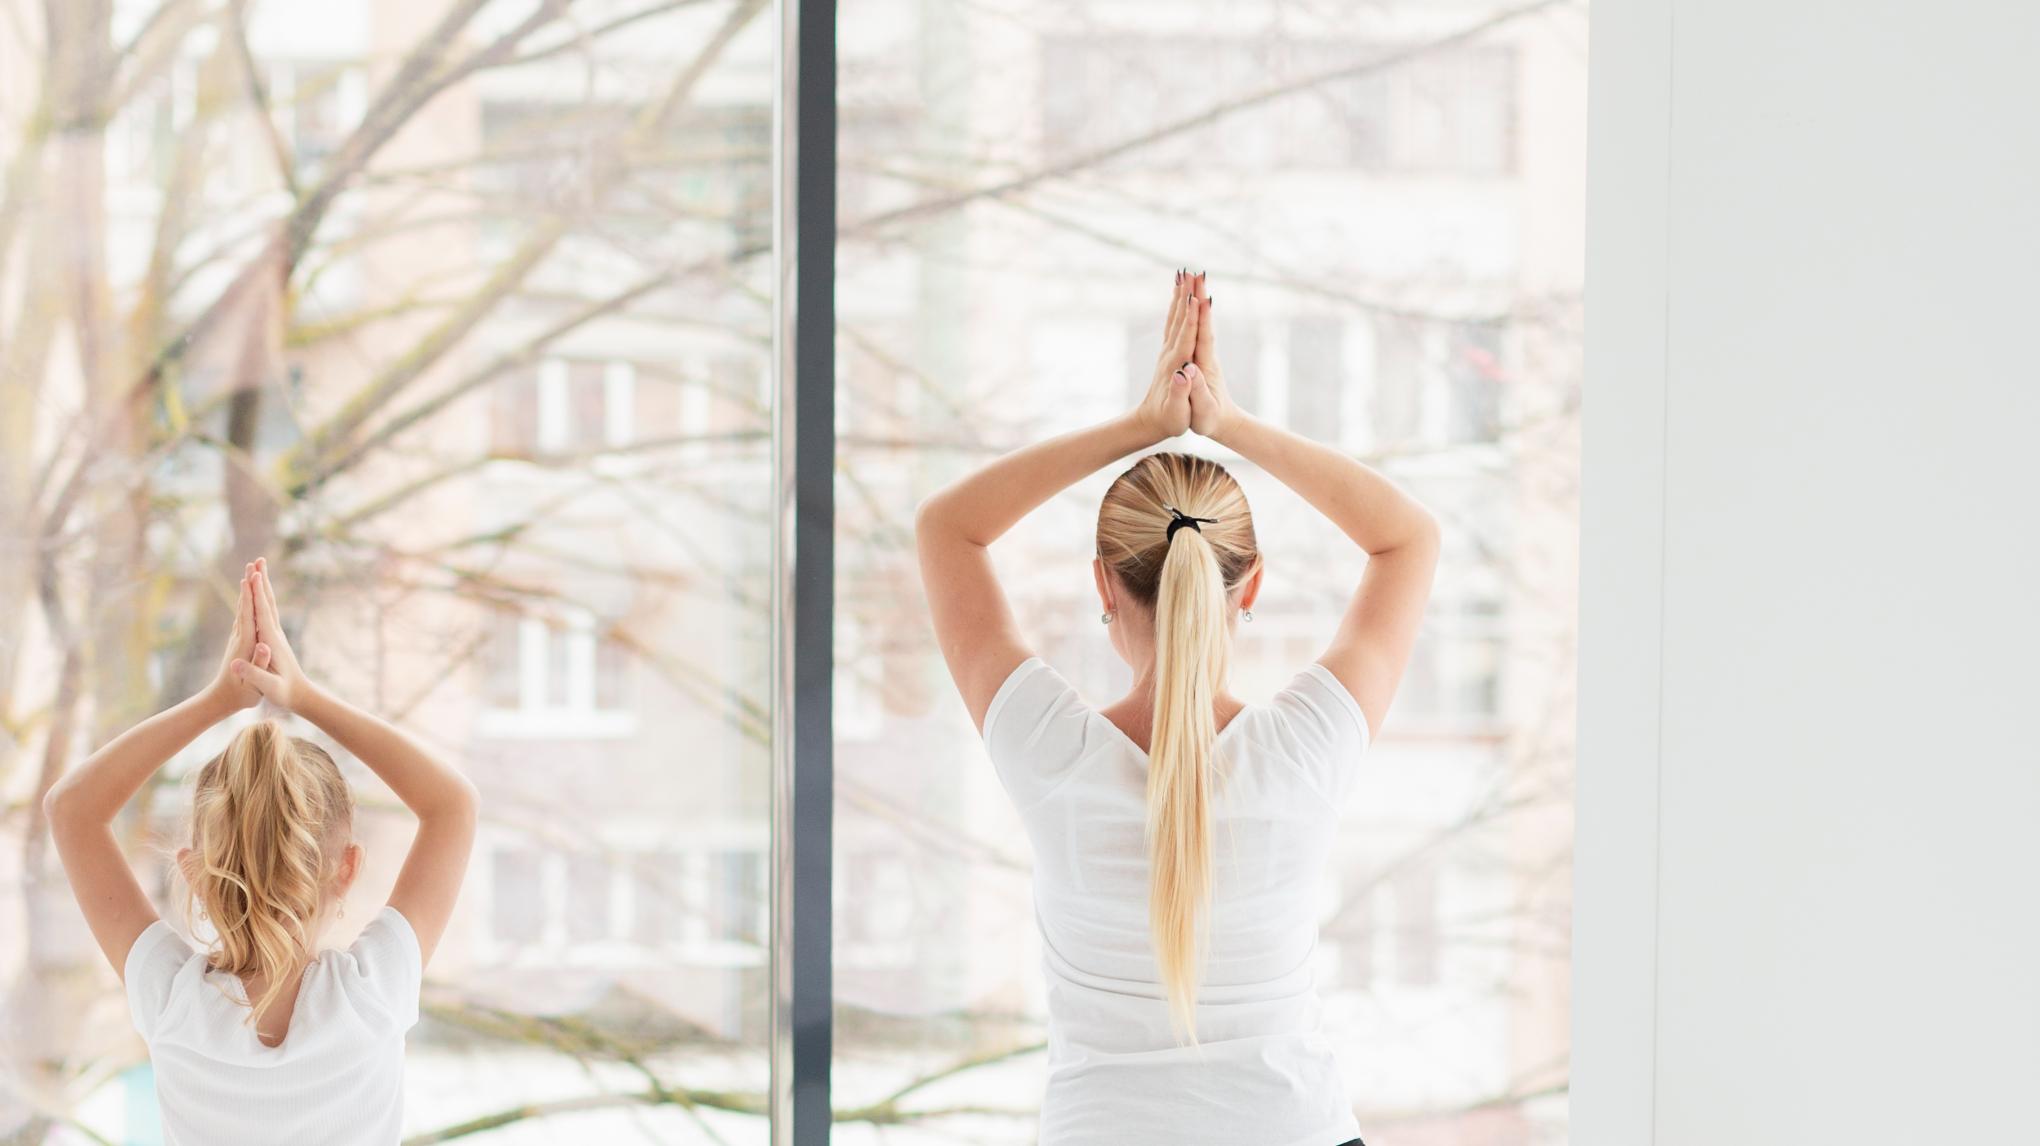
column 591, row 900
column 656, row 902
column 316, row 106
column 566, row 406
column 517, row 900
column 737, row 904
column 634, row 905
column 559, row 676
column 1473, row 382
column 1445, row 113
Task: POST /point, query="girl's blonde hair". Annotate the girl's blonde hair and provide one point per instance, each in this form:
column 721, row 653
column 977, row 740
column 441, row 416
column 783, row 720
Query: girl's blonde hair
column 271, row 820
column 1184, row 576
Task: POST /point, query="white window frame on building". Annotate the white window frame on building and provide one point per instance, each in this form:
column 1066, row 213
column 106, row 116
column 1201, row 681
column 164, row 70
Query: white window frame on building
column 580, row 715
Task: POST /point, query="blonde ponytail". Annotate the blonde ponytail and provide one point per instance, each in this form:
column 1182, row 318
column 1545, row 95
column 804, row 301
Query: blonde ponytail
column 1190, row 661
column 1185, row 574
column 271, row 818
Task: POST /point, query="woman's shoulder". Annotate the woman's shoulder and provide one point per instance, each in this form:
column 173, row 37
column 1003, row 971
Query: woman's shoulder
column 1033, row 690
column 1040, row 731
column 1314, row 725
column 1314, row 696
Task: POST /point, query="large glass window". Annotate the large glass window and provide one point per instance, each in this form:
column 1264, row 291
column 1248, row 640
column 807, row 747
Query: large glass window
column 1390, row 213
column 461, row 313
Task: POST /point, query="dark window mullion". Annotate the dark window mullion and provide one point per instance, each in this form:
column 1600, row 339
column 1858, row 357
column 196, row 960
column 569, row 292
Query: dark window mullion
column 804, row 245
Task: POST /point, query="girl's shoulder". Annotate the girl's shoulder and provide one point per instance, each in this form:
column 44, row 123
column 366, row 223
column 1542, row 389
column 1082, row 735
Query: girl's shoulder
column 381, row 972
column 159, row 959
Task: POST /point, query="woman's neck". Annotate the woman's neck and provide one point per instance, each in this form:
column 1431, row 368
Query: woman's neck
column 1134, row 713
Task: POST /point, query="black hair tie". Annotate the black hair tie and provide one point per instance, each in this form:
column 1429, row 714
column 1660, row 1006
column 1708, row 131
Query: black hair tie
column 1178, row 519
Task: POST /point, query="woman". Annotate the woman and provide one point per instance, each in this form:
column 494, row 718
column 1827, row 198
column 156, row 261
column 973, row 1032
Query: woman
column 261, row 1037
column 1180, row 833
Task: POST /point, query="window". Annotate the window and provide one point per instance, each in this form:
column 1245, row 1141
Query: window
column 1445, row 113
column 1370, row 238
column 518, row 895
column 558, row 676
column 737, row 913
column 1474, row 376
column 501, row 403
column 497, row 409
column 567, row 406
column 315, row 106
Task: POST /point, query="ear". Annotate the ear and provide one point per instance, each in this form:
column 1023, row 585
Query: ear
column 1104, row 579
column 350, row 866
column 187, row 864
column 1250, row 589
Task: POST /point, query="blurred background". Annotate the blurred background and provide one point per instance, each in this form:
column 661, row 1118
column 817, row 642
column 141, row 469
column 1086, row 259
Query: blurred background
column 461, row 311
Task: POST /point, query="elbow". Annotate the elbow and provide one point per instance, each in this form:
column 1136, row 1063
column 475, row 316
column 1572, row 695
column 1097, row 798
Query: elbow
column 939, row 521
column 1425, row 530
column 60, row 804
column 460, row 803
column 929, row 520
column 465, row 801
column 1418, row 533
column 1427, row 538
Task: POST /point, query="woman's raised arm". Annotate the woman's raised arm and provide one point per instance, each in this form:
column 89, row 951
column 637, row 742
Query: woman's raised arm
column 1372, row 646
column 956, row 526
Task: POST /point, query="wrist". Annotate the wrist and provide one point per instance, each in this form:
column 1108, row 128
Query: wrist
column 215, row 702
column 312, row 702
column 1133, row 432
column 1232, row 429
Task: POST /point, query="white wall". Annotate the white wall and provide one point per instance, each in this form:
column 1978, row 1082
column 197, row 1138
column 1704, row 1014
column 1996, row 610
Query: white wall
column 1808, row 881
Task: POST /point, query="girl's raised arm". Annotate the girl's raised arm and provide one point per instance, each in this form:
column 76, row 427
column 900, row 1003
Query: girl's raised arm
column 956, row 526
column 1372, row 646
column 81, row 806
column 442, row 799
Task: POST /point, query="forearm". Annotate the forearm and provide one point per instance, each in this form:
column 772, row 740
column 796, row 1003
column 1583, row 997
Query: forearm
column 95, row 791
column 1377, row 515
column 983, row 506
column 426, row 785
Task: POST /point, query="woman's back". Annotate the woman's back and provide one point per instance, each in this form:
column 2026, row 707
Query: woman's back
column 336, row 1079
column 1260, row 1071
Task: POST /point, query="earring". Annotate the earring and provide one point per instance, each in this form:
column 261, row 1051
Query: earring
column 1105, row 618
column 1246, row 614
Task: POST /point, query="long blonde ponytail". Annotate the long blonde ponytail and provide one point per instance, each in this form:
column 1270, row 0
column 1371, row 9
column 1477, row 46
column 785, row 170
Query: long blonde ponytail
column 271, row 818
column 1184, row 573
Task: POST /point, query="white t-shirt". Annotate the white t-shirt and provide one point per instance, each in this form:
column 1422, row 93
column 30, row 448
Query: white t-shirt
column 338, row 1078
column 1262, row 1073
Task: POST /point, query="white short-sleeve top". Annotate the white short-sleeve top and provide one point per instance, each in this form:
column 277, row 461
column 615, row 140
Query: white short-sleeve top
column 1262, row 1073
column 336, row 1080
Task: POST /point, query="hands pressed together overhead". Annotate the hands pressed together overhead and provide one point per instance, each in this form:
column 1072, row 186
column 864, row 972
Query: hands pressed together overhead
column 259, row 663
column 1188, row 391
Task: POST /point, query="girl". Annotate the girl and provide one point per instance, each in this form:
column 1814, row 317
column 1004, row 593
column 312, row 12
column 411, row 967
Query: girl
column 261, row 1037
column 1179, row 833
